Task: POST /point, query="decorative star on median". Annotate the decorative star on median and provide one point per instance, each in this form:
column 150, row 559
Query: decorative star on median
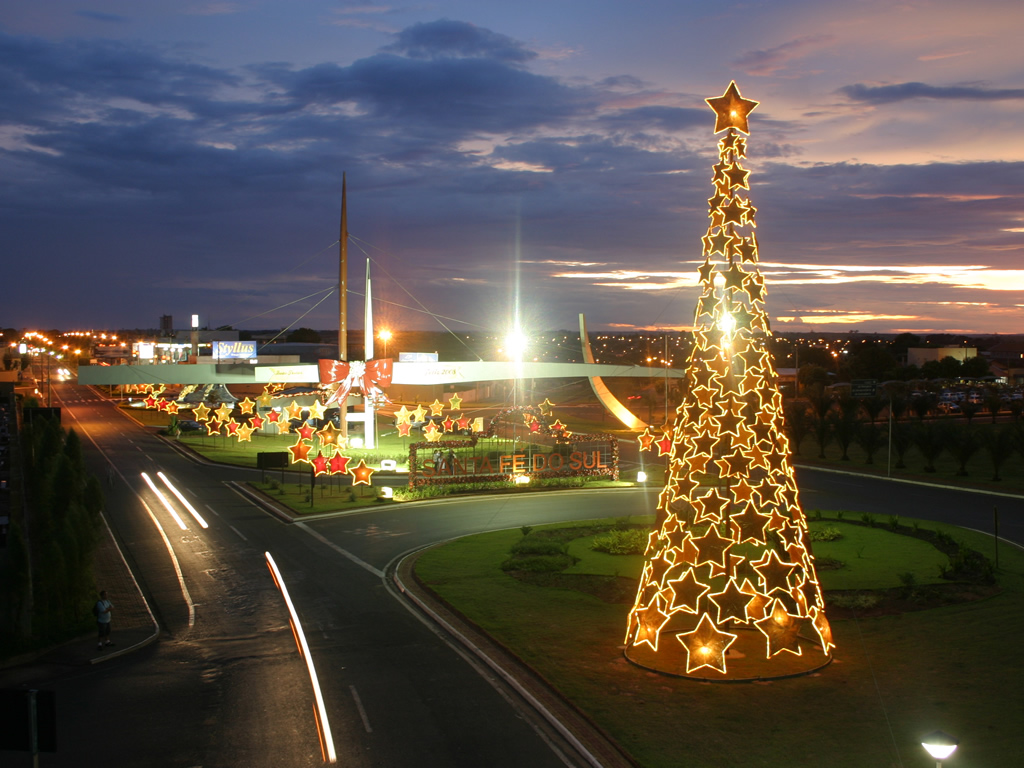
column 361, row 473
column 339, row 464
column 201, row 412
column 455, row 402
column 316, row 410
column 299, row 451
column 320, row 464
column 246, row 406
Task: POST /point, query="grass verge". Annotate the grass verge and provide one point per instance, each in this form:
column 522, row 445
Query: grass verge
column 895, row 678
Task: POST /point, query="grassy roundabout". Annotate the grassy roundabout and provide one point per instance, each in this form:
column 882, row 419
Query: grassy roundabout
column 915, row 653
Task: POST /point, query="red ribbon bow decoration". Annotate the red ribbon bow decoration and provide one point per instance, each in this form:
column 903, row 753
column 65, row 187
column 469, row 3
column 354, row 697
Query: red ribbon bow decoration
column 368, row 377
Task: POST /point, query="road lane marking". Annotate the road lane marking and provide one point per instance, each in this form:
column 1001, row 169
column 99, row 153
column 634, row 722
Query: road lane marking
column 321, row 711
column 240, row 534
column 362, row 712
column 343, row 552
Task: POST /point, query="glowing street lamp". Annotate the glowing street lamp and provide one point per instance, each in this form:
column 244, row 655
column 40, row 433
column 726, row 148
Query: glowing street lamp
column 940, row 746
column 385, row 336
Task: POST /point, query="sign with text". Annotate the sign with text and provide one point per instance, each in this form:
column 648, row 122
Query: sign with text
column 234, row 350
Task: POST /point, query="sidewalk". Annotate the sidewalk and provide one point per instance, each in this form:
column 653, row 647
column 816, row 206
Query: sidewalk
column 132, row 626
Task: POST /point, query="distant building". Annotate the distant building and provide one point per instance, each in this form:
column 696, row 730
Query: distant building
column 166, row 323
column 1007, row 359
column 920, row 355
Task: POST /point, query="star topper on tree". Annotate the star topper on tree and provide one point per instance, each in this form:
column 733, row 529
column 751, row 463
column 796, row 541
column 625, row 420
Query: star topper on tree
column 729, row 589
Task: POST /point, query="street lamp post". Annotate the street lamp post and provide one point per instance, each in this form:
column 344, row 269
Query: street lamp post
column 940, row 746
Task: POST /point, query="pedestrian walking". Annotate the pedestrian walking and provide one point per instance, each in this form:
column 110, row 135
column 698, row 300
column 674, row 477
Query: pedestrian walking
column 102, row 610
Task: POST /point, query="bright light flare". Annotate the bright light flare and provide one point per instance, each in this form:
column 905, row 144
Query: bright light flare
column 516, row 344
column 183, row 500
column 326, row 739
column 164, row 501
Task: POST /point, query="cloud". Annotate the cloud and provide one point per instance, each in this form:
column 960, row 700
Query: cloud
column 446, row 38
column 888, row 94
column 107, row 18
column 772, row 60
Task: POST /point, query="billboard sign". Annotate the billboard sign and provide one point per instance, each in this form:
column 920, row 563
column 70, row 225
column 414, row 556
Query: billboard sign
column 234, row 350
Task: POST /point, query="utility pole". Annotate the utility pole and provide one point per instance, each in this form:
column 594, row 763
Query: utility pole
column 343, row 301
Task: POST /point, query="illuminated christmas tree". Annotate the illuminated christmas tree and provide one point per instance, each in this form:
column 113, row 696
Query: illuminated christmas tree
column 729, row 589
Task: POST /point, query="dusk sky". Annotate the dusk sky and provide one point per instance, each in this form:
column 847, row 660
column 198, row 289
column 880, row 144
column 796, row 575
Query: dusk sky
column 178, row 157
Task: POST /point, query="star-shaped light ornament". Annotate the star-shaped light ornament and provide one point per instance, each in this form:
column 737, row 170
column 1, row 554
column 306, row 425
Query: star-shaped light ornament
column 246, row 406
column 436, row 407
column 402, row 415
column 265, row 400
column 299, row 451
column 731, row 109
column 706, row 645
column 546, row 406
column 403, row 428
column 645, row 439
column 328, row 434
column 294, row 411
column 432, row 432
column 320, row 464
column 339, row 463
column 361, row 473
column 316, row 410
column 244, row 433
column 419, row 413
column 201, row 412
column 305, row 431
column 455, row 402
column 728, row 560
column 224, row 412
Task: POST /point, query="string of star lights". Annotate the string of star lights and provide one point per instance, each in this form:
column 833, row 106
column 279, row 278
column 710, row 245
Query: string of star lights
column 728, row 589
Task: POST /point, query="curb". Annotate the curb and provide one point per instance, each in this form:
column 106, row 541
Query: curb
column 590, row 743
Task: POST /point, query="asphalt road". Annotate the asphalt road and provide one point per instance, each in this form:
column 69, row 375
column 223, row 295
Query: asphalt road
column 225, row 684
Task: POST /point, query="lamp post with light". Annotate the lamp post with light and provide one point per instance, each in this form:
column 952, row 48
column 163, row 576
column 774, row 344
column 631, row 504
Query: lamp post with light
column 385, row 336
column 940, row 746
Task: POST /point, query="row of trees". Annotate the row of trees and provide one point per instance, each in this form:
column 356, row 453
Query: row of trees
column 850, row 422
column 47, row 571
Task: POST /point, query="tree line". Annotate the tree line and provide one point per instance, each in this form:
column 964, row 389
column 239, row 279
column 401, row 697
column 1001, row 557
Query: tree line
column 846, row 422
column 52, row 538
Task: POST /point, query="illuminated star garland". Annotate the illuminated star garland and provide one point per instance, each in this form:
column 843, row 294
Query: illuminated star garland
column 729, row 570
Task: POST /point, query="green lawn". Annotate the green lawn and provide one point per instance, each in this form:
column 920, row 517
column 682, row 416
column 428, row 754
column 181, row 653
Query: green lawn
column 894, row 679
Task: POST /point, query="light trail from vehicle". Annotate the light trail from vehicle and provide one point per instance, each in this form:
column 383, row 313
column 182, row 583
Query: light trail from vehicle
column 165, row 502
column 183, row 500
column 324, row 726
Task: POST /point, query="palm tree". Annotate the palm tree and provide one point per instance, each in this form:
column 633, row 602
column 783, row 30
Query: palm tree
column 844, row 428
column 798, row 423
column 963, row 442
column 902, row 439
column 922, row 405
column 930, row 443
column 873, row 406
column 993, row 404
column 871, row 439
column 998, row 444
column 969, row 409
column 822, row 433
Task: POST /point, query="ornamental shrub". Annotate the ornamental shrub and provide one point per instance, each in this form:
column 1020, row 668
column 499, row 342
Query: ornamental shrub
column 632, row 541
